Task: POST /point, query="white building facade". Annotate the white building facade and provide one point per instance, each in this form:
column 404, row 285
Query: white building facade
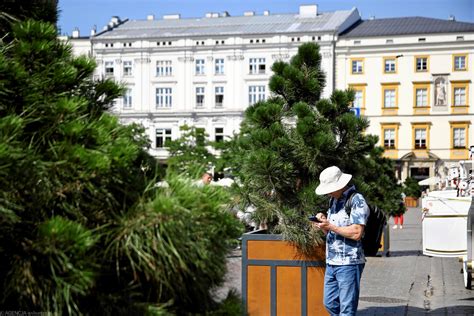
column 205, row 72
column 413, row 80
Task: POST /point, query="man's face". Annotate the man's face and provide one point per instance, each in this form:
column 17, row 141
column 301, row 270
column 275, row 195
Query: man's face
column 337, row 194
column 206, row 178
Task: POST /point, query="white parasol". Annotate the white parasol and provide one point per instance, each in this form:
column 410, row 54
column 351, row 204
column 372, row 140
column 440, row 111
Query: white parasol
column 430, row 181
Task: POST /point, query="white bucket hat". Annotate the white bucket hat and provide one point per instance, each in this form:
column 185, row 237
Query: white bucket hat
column 332, row 179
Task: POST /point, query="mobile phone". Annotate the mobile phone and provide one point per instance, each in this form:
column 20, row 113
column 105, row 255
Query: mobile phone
column 314, row 219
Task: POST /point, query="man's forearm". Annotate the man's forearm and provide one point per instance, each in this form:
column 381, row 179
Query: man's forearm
column 353, row 231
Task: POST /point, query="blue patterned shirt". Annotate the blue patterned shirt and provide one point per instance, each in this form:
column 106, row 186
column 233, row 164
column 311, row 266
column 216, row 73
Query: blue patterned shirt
column 341, row 250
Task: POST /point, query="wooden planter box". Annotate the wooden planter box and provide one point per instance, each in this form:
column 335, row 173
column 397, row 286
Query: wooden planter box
column 411, row 201
column 384, row 249
column 276, row 280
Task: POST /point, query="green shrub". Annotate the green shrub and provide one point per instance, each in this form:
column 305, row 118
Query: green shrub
column 176, row 244
column 411, row 187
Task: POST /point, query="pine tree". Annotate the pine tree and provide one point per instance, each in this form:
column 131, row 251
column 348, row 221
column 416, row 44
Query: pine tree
column 83, row 230
column 286, row 141
column 66, row 166
column 19, row 10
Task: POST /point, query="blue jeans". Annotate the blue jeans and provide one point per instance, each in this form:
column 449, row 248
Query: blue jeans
column 341, row 288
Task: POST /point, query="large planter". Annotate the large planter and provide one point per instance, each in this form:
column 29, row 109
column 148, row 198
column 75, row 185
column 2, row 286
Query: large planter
column 384, row 249
column 411, row 201
column 277, row 280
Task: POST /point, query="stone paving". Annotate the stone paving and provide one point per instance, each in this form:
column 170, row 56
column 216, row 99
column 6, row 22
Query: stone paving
column 408, row 283
column 405, row 283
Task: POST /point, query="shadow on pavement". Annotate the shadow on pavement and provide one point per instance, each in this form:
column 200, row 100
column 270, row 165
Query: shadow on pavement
column 405, row 253
column 409, row 311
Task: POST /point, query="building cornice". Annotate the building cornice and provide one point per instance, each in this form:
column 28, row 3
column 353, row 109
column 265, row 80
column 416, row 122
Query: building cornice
column 405, row 47
column 188, row 114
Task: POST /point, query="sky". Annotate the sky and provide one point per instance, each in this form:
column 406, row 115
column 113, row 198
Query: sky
column 84, row 14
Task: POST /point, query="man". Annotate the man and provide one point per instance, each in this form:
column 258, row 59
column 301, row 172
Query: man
column 206, row 178
column 345, row 258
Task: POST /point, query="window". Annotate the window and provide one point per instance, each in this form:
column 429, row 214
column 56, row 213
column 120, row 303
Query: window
column 256, row 94
column 127, row 99
column 459, row 62
column 459, row 137
column 459, row 94
column 358, row 99
column 257, row 65
column 164, row 68
column 127, row 68
column 200, row 70
column 421, row 97
column 359, row 96
column 357, row 66
column 163, row 135
column 219, row 66
column 420, row 138
column 421, row 63
column 389, row 98
column 199, row 96
column 390, row 65
column 219, row 134
column 109, row 68
column 163, row 97
column 389, row 138
column 219, row 96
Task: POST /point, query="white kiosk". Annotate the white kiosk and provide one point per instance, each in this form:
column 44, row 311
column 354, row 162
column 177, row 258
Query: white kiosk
column 448, row 218
column 444, row 224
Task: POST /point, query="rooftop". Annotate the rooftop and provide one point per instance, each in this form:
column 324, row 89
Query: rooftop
column 406, row 26
column 228, row 25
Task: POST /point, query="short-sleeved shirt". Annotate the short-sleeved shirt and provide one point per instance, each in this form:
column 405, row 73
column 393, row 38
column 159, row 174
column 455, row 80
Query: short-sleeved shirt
column 341, row 250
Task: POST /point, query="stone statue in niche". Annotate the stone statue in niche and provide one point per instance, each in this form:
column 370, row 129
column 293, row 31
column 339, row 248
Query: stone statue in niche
column 441, row 91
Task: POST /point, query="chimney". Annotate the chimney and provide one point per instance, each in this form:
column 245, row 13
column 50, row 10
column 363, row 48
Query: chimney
column 308, row 10
column 171, row 17
column 249, row 13
column 150, row 17
column 94, row 30
column 266, row 12
column 75, row 33
column 115, row 20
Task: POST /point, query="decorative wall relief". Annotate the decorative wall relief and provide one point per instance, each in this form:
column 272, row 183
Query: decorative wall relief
column 441, row 89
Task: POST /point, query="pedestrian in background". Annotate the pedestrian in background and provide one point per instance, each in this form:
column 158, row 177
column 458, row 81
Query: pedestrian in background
column 398, row 217
column 206, row 178
column 345, row 258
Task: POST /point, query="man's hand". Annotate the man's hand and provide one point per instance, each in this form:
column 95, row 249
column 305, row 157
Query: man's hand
column 354, row 231
column 324, row 223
